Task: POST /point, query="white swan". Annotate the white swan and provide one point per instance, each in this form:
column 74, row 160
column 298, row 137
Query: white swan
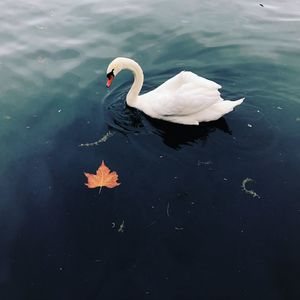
column 185, row 98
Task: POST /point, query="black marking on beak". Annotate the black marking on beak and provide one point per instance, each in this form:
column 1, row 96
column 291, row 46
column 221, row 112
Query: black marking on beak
column 110, row 74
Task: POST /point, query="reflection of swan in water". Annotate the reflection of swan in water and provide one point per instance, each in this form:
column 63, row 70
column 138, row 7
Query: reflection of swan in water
column 184, row 99
column 175, row 135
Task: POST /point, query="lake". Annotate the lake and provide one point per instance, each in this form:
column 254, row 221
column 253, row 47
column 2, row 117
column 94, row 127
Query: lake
column 202, row 212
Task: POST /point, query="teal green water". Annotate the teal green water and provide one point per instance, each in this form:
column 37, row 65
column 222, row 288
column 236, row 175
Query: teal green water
column 190, row 230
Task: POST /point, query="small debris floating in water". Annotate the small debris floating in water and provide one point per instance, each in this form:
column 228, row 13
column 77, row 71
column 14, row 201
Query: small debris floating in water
column 244, row 188
column 103, row 139
column 122, row 226
column 261, row 5
column 119, row 228
column 41, row 59
column 40, row 27
column 178, row 228
column 152, row 223
column 168, row 209
column 204, row 163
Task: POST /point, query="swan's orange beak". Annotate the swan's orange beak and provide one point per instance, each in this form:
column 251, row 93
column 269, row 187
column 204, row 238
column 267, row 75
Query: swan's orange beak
column 109, row 80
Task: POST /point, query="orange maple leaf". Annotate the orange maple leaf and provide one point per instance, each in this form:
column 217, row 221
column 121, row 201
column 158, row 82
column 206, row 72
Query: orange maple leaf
column 103, row 177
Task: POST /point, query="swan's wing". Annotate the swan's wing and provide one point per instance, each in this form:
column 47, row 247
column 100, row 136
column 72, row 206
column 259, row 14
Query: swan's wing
column 187, row 99
column 187, row 77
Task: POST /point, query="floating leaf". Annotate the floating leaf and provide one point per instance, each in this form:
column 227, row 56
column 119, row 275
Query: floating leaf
column 103, row 177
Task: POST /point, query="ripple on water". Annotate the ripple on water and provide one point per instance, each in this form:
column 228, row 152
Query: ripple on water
column 119, row 116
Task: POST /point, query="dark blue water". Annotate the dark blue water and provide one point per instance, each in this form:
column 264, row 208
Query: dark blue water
column 181, row 225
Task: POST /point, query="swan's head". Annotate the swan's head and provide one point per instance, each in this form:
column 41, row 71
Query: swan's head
column 113, row 69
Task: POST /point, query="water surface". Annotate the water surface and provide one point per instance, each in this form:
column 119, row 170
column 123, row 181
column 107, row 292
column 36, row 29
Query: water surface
column 190, row 230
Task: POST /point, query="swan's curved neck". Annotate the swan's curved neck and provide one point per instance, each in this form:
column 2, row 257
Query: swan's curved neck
column 132, row 96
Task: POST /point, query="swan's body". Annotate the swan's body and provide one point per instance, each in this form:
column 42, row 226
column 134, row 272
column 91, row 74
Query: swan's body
column 185, row 98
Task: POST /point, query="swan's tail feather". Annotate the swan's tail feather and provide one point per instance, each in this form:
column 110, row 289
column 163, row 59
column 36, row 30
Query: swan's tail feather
column 227, row 106
column 217, row 110
column 237, row 102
